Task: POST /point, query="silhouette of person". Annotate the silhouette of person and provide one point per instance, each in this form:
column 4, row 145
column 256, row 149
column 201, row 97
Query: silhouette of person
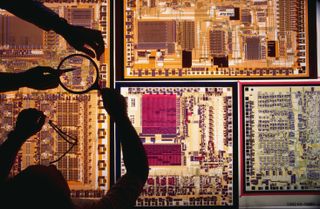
column 82, row 39
column 45, row 187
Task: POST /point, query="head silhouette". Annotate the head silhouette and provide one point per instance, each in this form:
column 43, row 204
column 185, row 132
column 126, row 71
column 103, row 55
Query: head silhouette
column 38, row 187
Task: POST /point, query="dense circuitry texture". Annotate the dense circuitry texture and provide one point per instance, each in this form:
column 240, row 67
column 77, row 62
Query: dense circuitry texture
column 281, row 138
column 215, row 39
column 22, row 46
column 188, row 136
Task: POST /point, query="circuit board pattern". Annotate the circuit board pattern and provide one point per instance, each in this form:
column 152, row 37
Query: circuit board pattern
column 215, row 39
column 187, row 133
column 22, row 46
column 281, row 138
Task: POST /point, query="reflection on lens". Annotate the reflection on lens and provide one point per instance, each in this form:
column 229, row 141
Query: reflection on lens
column 83, row 75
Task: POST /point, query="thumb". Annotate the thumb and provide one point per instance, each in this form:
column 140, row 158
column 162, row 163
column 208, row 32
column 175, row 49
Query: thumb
column 87, row 51
column 48, row 69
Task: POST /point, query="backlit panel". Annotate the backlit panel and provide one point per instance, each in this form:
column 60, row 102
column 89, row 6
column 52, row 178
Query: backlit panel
column 189, row 148
column 161, row 120
column 216, row 39
column 22, row 46
column 281, row 138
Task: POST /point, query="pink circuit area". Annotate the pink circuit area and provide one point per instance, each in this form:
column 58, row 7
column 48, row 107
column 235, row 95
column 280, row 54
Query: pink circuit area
column 163, row 154
column 159, row 114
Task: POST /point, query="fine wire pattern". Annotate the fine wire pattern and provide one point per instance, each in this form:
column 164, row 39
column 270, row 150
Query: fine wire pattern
column 65, row 137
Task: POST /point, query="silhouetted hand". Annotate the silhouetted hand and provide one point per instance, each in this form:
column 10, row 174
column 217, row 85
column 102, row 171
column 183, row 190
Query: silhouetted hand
column 85, row 40
column 115, row 104
column 29, row 122
column 40, row 78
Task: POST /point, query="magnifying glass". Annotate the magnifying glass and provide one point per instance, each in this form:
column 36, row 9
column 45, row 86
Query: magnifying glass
column 78, row 74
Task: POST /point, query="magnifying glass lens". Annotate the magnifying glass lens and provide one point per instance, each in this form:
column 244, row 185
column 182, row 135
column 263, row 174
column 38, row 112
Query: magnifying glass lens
column 82, row 76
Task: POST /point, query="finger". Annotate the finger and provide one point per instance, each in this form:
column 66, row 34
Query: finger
column 100, row 50
column 100, row 45
column 49, row 70
column 97, row 47
column 96, row 42
column 41, row 120
column 86, row 51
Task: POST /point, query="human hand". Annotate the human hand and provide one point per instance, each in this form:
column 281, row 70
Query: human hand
column 115, row 104
column 40, row 78
column 85, row 40
column 29, row 122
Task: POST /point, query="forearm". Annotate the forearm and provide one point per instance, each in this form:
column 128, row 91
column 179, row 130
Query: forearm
column 35, row 13
column 10, row 81
column 134, row 155
column 125, row 192
column 8, row 153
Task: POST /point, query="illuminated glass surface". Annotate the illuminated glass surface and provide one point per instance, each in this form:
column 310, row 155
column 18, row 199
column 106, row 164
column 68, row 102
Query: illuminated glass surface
column 86, row 167
column 187, row 133
column 281, row 138
column 215, row 39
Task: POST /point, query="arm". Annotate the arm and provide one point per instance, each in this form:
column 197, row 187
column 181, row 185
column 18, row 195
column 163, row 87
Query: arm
column 8, row 152
column 39, row 78
column 127, row 189
column 10, row 81
column 82, row 39
column 29, row 122
column 134, row 155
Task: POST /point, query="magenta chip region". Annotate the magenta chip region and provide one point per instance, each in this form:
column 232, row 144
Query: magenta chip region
column 159, row 114
column 163, row 154
column 187, row 132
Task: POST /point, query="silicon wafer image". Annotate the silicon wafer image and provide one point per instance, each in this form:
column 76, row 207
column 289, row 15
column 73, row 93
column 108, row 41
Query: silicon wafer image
column 187, row 133
column 215, row 39
column 281, row 138
column 82, row 166
column 23, row 46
